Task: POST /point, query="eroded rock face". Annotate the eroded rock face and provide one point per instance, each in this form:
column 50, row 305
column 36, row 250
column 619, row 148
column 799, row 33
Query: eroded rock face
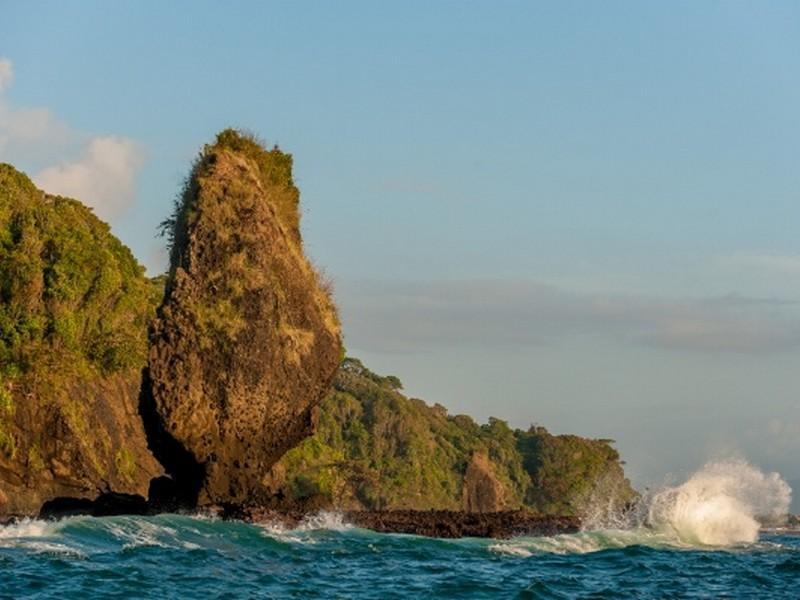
column 247, row 340
column 482, row 492
column 74, row 311
column 80, row 441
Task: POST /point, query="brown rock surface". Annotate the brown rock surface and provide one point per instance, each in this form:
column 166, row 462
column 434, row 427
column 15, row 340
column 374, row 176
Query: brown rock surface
column 247, row 340
column 430, row 523
column 80, row 441
column 456, row 524
column 482, row 492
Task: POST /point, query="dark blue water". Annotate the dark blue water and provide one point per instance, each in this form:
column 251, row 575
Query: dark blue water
column 172, row 556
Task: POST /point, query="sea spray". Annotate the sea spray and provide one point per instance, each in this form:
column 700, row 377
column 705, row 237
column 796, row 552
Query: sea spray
column 723, row 504
column 720, row 505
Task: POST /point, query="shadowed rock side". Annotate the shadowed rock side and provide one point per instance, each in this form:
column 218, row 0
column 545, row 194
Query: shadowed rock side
column 74, row 309
column 247, row 340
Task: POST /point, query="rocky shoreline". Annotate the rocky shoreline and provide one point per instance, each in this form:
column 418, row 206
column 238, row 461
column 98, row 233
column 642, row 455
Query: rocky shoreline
column 430, row 523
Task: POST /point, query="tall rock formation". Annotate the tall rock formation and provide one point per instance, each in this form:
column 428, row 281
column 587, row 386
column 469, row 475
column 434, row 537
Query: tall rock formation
column 74, row 310
column 247, row 340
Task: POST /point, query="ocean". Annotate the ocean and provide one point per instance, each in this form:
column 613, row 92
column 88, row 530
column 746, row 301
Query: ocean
column 700, row 539
column 178, row 556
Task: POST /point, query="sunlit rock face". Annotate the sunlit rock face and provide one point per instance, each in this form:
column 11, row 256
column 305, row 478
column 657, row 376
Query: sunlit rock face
column 247, row 340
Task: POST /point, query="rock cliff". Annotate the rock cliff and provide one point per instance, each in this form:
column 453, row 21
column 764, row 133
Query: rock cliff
column 247, row 340
column 74, row 309
column 218, row 373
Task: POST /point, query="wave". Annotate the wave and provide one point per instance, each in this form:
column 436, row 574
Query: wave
column 722, row 505
column 299, row 534
column 585, row 542
column 719, row 506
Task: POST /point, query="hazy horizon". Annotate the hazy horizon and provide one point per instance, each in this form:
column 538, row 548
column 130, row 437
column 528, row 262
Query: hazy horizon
column 579, row 215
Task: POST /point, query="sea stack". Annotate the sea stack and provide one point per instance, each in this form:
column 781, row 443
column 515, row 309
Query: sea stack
column 247, row 339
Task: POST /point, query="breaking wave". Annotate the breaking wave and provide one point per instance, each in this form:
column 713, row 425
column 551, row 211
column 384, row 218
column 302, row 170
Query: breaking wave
column 722, row 505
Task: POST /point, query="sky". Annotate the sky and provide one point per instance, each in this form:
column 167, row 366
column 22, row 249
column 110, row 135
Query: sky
column 578, row 214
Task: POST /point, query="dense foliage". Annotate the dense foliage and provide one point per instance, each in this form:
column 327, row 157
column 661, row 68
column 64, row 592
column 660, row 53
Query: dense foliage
column 570, row 474
column 74, row 311
column 274, row 169
column 376, row 448
column 70, row 292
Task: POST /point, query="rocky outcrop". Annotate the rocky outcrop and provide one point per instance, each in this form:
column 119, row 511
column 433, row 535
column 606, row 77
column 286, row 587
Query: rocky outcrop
column 457, row 524
column 574, row 475
column 482, row 492
column 74, row 309
column 78, row 441
column 243, row 347
column 247, row 340
column 430, row 523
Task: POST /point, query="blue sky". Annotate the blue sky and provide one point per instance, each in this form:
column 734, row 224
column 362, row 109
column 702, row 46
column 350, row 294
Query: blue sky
column 579, row 214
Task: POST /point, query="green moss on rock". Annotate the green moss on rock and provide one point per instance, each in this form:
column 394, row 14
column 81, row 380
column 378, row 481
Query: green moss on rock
column 247, row 339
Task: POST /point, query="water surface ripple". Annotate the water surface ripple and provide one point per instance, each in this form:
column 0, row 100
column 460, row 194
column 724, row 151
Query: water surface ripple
column 176, row 556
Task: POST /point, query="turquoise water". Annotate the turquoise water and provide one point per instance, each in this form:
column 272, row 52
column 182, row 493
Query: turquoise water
column 173, row 556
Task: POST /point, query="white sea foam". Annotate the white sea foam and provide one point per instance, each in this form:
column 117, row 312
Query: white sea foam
column 27, row 528
column 330, row 520
column 721, row 505
column 584, row 542
column 321, row 521
column 37, row 536
column 135, row 532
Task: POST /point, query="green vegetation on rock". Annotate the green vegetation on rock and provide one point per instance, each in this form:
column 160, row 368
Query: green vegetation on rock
column 375, row 448
column 247, row 339
column 274, row 171
column 74, row 311
column 70, row 292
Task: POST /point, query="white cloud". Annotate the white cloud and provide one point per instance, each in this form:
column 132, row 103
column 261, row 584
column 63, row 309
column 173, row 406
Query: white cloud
column 97, row 170
column 104, row 177
column 31, row 130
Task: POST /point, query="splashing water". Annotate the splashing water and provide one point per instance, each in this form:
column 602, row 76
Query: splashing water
column 720, row 505
column 179, row 556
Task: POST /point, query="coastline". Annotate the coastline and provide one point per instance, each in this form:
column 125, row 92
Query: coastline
column 448, row 524
column 445, row 524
